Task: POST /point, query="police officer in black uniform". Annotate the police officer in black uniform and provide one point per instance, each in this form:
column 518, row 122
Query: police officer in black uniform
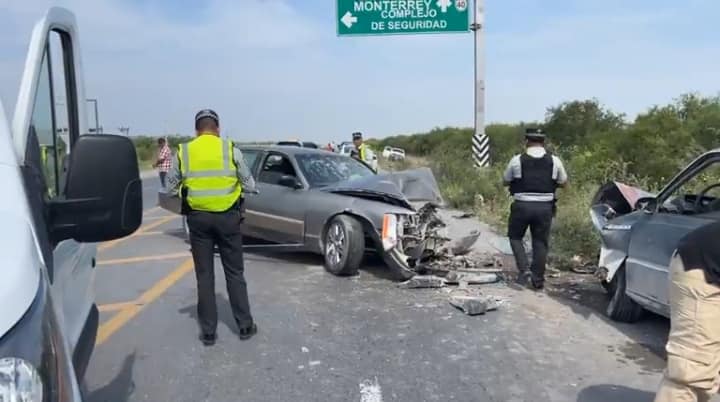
column 533, row 178
column 211, row 176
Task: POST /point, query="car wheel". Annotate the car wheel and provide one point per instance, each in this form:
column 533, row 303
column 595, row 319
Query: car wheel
column 344, row 243
column 621, row 307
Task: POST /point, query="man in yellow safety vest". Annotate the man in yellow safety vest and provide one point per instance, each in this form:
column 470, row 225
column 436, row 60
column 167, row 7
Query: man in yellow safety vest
column 211, row 177
column 363, row 152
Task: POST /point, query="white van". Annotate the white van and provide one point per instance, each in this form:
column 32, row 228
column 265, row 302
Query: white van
column 63, row 190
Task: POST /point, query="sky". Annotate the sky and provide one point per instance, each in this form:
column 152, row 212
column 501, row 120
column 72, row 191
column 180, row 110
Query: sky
column 276, row 69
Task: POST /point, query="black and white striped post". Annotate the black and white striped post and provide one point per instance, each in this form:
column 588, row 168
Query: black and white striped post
column 480, row 140
column 481, row 150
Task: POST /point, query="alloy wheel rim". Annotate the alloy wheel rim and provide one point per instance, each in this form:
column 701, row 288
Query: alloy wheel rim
column 335, row 247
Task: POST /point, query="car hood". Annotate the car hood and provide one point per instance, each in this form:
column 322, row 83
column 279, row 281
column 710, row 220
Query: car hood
column 20, row 269
column 398, row 188
column 612, row 201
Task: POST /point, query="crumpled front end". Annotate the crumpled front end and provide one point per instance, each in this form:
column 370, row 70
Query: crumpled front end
column 613, row 214
column 409, row 240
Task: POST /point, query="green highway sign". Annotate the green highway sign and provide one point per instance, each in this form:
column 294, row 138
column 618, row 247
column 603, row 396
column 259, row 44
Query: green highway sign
column 386, row 17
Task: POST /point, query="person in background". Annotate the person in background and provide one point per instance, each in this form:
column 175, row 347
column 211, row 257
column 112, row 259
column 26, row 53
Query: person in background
column 211, row 176
column 693, row 346
column 164, row 160
column 533, row 178
column 363, row 152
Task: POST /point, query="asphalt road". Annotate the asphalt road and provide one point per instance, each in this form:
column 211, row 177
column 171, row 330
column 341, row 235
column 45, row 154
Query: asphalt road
column 323, row 338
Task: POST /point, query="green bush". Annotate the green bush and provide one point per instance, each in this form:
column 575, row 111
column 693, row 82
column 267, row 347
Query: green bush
column 596, row 145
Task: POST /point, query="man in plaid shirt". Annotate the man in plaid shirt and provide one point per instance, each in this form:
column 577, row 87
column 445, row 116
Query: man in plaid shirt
column 164, row 160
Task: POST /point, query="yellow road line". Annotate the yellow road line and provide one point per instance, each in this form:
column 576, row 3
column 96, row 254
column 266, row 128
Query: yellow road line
column 152, row 233
column 119, row 320
column 131, row 260
column 114, row 306
column 140, row 231
column 153, row 218
column 151, row 210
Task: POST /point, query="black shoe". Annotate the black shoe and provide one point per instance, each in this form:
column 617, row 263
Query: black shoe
column 522, row 278
column 208, row 339
column 248, row 332
column 538, row 285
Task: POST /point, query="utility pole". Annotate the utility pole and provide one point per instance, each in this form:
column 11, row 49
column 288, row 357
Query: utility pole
column 97, row 120
column 480, row 141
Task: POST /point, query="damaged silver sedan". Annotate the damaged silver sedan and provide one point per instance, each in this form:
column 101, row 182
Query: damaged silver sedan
column 336, row 206
column 640, row 232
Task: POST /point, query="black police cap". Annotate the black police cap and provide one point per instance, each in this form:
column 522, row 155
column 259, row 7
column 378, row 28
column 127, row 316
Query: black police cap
column 207, row 113
column 357, row 135
column 534, row 133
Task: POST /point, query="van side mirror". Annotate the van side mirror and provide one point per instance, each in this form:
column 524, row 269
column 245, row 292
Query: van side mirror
column 290, row 181
column 647, row 204
column 103, row 191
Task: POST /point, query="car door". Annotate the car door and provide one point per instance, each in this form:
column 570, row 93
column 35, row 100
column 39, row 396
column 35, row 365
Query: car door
column 657, row 233
column 276, row 213
column 49, row 117
column 653, row 240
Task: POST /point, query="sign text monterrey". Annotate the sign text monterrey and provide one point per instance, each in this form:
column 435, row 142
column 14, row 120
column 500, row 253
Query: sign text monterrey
column 383, row 17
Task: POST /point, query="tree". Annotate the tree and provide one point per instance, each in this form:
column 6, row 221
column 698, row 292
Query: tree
column 574, row 123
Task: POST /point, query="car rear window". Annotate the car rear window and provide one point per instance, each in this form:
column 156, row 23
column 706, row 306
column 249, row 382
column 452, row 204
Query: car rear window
column 250, row 157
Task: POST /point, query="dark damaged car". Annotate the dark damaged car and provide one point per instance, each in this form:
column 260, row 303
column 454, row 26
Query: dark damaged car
column 640, row 232
column 336, row 206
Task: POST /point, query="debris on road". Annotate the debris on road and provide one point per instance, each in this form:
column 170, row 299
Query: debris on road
column 464, row 244
column 587, row 269
column 465, row 215
column 473, row 303
column 305, row 350
column 423, row 281
column 455, row 277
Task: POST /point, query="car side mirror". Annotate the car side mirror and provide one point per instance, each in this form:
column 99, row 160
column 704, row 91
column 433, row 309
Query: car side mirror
column 290, row 181
column 103, row 191
column 647, row 204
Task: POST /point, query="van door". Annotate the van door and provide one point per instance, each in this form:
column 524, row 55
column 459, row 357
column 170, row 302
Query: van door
column 49, row 117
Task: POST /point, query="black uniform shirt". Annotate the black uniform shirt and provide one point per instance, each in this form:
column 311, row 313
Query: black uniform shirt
column 700, row 249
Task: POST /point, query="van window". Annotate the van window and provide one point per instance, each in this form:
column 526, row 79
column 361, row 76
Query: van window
column 42, row 126
column 54, row 120
column 67, row 127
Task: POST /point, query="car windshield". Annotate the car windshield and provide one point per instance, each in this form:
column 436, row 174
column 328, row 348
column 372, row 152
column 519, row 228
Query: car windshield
column 325, row 169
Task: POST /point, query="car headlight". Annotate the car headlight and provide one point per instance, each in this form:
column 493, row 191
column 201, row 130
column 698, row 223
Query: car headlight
column 19, row 381
column 32, row 358
column 389, row 231
column 392, row 230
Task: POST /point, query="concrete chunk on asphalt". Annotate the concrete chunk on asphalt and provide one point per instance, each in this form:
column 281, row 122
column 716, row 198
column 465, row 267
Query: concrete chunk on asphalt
column 473, row 304
column 455, row 277
column 423, row 281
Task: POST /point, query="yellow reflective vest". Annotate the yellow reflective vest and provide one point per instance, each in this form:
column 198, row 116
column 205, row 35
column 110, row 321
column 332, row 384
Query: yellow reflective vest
column 209, row 173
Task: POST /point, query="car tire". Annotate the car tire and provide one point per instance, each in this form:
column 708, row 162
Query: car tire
column 344, row 245
column 621, row 307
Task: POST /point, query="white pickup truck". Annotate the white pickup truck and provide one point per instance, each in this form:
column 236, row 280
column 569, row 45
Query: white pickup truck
column 393, row 154
column 63, row 190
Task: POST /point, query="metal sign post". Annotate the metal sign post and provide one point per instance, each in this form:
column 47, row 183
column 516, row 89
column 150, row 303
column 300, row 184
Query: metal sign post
column 480, row 141
column 391, row 17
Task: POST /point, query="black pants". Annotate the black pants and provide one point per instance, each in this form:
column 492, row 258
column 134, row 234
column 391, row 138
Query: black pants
column 162, row 179
column 208, row 229
column 538, row 216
